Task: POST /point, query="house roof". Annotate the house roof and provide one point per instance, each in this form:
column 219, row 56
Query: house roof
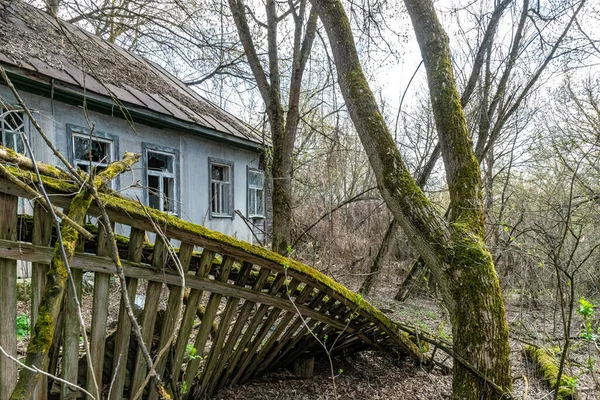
column 40, row 45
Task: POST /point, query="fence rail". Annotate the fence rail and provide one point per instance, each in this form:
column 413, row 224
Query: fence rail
column 256, row 309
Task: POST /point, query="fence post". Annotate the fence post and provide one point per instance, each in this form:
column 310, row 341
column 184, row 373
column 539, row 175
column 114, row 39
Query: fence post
column 8, row 297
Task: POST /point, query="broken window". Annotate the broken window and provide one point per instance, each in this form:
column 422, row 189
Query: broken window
column 221, row 189
column 11, row 127
column 162, row 193
column 256, row 194
column 91, row 152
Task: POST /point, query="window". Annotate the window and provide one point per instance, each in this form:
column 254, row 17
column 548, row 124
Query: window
column 11, row 126
column 256, row 194
column 92, row 151
column 161, row 179
column 221, row 188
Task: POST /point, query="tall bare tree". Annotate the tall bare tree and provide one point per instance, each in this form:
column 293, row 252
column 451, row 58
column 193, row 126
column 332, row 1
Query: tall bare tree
column 282, row 123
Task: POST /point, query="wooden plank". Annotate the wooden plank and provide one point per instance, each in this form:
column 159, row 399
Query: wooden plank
column 206, row 325
column 123, row 335
column 189, row 314
column 250, row 331
column 264, row 330
column 171, row 313
column 71, row 332
column 286, row 340
column 224, row 325
column 99, row 312
column 234, row 336
column 153, row 292
column 8, row 297
column 41, row 235
column 263, row 354
column 303, row 333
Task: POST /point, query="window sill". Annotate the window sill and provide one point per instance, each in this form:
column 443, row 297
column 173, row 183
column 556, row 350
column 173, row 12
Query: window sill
column 221, row 216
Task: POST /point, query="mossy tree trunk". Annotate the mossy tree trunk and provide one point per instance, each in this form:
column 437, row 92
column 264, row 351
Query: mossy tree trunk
column 57, row 280
column 455, row 250
column 283, row 126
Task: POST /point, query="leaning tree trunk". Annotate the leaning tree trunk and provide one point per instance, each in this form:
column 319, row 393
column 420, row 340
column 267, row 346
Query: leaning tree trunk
column 455, row 250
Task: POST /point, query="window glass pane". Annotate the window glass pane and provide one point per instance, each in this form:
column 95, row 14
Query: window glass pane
column 252, row 201
column 225, row 198
column 168, row 194
column 219, row 173
column 154, row 192
column 214, row 197
column 160, row 162
column 86, row 149
column 256, row 179
column 85, row 167
column 13, row 121
column 11, row 126
column 13, row 141
column 260, row 203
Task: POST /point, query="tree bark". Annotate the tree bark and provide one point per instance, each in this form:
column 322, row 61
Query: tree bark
column 455, row 250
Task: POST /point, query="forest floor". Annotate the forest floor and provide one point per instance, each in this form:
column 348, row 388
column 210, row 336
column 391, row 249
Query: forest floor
column 373, row 375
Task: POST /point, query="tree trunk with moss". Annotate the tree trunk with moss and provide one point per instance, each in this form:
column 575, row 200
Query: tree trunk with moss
column 455, row 250
column 57, row 279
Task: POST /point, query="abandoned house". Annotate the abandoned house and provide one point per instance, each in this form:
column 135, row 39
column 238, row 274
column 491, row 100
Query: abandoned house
column 95, row 101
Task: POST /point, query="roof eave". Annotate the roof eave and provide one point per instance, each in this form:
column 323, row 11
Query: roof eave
column 70, row 94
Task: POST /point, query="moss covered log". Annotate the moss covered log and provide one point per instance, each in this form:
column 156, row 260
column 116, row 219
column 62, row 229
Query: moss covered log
column 56, row 283
column 547, row 366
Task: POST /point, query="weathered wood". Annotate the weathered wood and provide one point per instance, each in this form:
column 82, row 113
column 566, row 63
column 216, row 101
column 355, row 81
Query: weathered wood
column 172, row 313
column 123, row 335
column 206, row 325
column 234, row 336
column 249, row 333
column 71, row 332
column 224, row 325
column 153, row 292
column 99, row 312
column 41, row 235
column 264, row 330
column 189, row 314
column 264, row 355
column 290, row 339
column 304, row 367
column 8, row 297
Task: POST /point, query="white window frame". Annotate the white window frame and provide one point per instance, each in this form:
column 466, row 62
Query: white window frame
column 220, row 211
column 113, row 149
column 87, row 163
column 174, row 154
column 7, row 130
column 252, row 193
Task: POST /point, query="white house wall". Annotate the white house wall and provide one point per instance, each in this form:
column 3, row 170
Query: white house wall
column 53, row 117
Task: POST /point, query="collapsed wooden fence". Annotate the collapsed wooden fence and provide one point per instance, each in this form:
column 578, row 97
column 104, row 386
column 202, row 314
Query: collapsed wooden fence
column 258, row 311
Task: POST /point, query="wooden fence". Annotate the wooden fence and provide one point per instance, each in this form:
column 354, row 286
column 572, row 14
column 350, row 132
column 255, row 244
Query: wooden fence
column 247, row 310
